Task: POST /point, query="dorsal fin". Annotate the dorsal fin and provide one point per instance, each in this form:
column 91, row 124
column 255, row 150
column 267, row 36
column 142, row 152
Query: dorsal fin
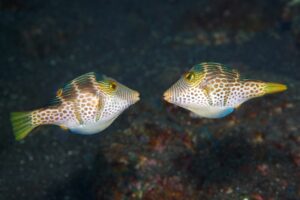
column 84, row 83
column 213, row 70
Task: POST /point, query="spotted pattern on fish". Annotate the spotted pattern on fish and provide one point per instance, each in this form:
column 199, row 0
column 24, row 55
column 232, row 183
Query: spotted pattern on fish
column 79, row 103
column 85, row 105
column 222, row 86
column 214, row 86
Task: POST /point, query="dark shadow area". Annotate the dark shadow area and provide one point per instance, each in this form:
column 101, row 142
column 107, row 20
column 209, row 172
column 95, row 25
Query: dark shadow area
column 220, row 161
column 86, row 183
column 102, row 182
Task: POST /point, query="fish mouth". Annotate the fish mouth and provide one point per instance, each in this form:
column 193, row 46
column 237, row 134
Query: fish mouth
column 135, row 97
column 167, row 96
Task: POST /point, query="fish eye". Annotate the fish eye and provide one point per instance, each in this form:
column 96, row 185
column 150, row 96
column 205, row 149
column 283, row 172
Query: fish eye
column 189, row 76
column 113, row 85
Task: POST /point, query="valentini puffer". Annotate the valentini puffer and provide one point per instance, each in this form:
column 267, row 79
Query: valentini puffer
column 87, row 105
column 213, row 90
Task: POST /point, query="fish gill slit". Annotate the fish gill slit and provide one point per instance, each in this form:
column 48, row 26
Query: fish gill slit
column 99, row 109
column 207, row 95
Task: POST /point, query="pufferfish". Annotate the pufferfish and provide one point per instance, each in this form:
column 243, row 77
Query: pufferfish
column 213, row 90
column 86, row 105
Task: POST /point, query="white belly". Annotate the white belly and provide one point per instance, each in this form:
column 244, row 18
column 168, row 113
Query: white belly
column 91, row 128
column 212, row 111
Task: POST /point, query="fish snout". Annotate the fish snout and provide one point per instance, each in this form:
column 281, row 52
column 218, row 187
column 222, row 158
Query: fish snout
column 167, row 96
column 135, row 96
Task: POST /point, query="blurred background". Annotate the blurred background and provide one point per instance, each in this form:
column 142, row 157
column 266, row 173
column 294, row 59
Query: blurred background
column 154, row 150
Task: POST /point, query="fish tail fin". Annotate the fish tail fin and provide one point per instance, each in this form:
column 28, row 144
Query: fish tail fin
column 270, row 88
column 21, row 124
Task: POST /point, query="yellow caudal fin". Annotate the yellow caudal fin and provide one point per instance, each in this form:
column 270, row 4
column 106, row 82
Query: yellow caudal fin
column 274, row 88
column 21, row 123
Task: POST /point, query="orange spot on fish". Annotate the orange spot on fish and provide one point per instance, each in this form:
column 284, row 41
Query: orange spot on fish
column 63, row 127
column 59, row 92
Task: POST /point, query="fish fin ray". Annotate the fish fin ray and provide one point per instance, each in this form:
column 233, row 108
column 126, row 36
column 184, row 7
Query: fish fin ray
column 271, row 88
column 21, row 124
column 214, row 70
